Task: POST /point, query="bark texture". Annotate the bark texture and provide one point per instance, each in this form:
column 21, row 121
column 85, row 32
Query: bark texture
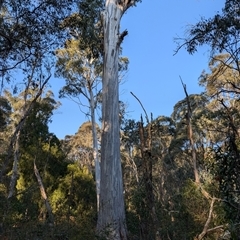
column 44, row 195
column 111, row 219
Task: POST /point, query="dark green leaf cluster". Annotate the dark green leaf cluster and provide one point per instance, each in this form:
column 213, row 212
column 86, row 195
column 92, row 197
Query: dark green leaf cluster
column 86, row 26
column 5, row 110
column 30, row 29
column 228, row 169
column 219, row 32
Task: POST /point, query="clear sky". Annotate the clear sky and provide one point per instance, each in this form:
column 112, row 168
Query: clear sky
column 153, row 74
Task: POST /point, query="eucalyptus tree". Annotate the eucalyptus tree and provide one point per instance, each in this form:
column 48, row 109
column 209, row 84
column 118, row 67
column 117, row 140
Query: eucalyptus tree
column 199, row 185
column 78, row 147
column 221, row 83
column 182, row 141
column 29, row 28
column 111, row 211
column 222, row 87
column 220, row 32
column 32, row 91
column 82, row 72
column 39, row 154
column 80, row 63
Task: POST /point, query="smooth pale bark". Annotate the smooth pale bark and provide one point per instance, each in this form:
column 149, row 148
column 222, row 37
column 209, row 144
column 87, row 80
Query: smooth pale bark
column 111, row 218
column 44, row 195
column 95, row 146
column 90, row 77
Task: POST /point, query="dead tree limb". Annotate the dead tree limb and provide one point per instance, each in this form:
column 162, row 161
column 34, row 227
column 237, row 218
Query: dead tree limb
column 190, row 134
column 206, row 226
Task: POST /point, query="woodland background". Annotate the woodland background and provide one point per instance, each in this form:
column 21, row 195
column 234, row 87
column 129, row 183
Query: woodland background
column 181, row 173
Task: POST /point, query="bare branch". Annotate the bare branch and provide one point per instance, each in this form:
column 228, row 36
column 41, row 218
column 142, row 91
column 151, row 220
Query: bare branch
column 122, row 36
column 142, row 107
column 204, row 232
column 190, row 135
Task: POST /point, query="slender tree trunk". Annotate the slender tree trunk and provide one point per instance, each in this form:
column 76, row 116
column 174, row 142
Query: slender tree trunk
column 190, row 136
column 111, row 219
column 14, row 175
column 206, row 226
column 149, row 223
column 95, row 146
column 44, row 196
column 147, row 220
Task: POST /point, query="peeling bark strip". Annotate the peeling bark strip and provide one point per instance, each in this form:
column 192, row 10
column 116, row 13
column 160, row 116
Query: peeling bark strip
column 111, row 219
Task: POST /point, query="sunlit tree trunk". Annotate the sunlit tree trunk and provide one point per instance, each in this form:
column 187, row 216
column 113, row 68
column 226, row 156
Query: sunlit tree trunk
column 190, row 136
column 95, row 146
column 111, row 219
column 44, row 195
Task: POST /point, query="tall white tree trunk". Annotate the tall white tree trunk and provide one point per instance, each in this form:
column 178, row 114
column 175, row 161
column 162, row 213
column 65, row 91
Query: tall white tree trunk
column 111, row 218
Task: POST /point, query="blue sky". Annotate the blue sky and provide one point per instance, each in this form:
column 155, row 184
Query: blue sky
column 153, row 74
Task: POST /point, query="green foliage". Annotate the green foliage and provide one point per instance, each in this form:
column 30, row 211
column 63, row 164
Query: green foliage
column 30, row 30
column 197, row 208
column 221, row 32
column 66, row 167
column 227, row 162
column 86, row 27
column 74, row 203
column 5, row 110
